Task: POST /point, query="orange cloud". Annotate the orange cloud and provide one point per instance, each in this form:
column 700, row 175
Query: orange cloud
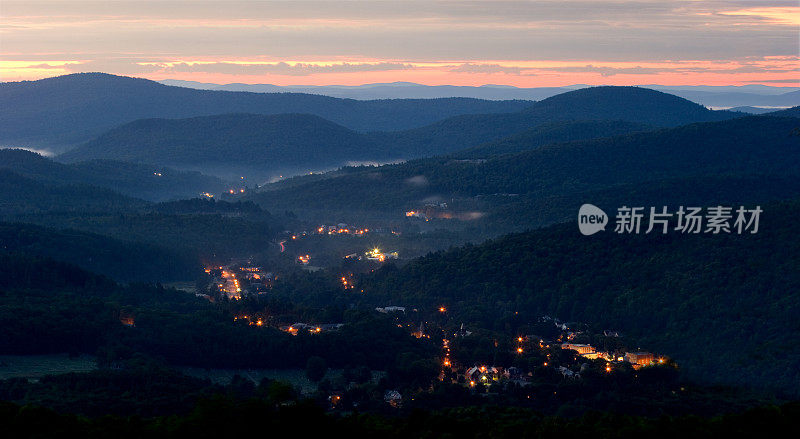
column 776, row 15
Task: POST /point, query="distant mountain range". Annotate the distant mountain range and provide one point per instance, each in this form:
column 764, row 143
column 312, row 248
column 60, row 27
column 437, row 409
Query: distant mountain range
column 710, row 96
column 58, row 113
column 753, row 110
column 264, row 146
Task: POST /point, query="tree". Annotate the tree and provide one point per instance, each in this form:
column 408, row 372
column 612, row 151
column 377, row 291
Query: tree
column 316, row 368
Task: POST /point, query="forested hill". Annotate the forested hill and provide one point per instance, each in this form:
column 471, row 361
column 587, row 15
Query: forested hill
column 724, row 306
column 123, row 261
column 264, row 141
column 789, row 112
column 266, row 146
column 72, row 109
column 626, row 103
column 24, row 196
column 756, row 145
column 630, row 104
column 148, row 182
column 552, row 132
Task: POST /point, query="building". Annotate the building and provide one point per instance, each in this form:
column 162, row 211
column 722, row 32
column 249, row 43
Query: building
column 393, row 398
column 580, row 348
column 127, row 319
column 567, row 373
column 388, row 309
column 376, row 255
column 482, row 374
column 462, row 332
column 639, row 359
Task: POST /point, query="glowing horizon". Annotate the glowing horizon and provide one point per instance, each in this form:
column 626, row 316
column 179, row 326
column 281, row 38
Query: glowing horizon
column 314, row 42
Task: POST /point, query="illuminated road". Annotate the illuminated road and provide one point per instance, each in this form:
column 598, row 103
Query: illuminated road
column 281, row 244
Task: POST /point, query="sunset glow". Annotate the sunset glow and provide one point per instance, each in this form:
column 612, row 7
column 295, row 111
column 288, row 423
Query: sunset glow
column 524, row 44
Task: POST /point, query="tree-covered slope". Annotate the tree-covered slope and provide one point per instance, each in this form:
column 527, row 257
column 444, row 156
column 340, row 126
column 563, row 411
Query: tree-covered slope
column 124, row 261
column 635, row 104
column 271, row 141
column 630, row 104
column 147, row 182
column 789, row 112
column 25, row 196
column 552, row 132
column 757, row 145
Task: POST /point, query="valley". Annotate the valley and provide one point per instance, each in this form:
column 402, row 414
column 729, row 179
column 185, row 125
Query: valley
column 199, row 248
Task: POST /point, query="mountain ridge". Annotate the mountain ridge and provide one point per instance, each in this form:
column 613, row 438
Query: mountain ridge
column 155, row 183
column 63, row 111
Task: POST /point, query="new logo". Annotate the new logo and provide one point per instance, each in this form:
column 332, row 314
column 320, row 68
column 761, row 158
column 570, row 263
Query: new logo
column 591, row 219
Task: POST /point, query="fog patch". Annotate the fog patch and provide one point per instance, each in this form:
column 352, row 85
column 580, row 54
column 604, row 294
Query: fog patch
column 43, row 152
column 469, row 216
column 355, row 163
column 417, row 180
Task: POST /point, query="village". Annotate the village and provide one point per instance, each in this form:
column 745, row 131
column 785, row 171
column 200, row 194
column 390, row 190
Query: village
column 556, row 357
column 234, row 281
column 238, row 280
column 553, row 352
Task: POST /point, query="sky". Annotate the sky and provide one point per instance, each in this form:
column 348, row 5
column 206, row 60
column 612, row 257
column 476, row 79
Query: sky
column 299, row 42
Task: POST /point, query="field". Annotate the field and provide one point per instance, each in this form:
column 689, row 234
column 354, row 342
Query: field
column 34, row 366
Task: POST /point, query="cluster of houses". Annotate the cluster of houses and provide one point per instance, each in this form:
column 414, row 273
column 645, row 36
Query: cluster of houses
column 234, row 281
column 489, row 374
column 637, row 359
column 430, row 210
column 294, row 329
column 300, row 327
column 486, row 374
column 341, row 229
column 375, row 255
